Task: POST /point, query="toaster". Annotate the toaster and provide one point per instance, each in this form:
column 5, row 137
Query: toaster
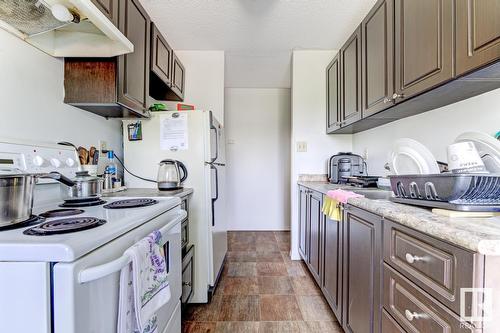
column 344, row 165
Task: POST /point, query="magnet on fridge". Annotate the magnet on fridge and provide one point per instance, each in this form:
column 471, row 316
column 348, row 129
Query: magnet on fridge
column 135, row 131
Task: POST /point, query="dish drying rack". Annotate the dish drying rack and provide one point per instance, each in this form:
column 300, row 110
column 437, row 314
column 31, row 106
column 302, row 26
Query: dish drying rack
column 462, row 192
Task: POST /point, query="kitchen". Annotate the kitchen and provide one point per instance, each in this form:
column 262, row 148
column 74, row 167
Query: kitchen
column 249, row 244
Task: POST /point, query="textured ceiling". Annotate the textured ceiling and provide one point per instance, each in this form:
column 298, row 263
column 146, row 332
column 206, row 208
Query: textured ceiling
column 257, row 35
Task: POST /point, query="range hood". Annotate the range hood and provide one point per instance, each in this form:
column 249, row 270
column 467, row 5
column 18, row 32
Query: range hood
column 64, row 28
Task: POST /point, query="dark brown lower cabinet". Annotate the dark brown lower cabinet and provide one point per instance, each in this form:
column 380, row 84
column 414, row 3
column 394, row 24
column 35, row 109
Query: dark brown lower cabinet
column 331, row 277
column 303, row 225
column 362, row 271
column 315, row 217
column 389, row 325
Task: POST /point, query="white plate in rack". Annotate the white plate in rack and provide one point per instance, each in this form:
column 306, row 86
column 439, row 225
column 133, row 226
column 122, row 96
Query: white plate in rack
column 487, row 146
column 410, row 157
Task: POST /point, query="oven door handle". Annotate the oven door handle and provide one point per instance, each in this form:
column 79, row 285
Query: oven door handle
column 97, row 272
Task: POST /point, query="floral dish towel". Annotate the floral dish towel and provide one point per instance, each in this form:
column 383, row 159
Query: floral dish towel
column 144, row 286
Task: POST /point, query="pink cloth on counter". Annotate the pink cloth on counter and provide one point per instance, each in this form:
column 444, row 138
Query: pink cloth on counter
column 342, row 196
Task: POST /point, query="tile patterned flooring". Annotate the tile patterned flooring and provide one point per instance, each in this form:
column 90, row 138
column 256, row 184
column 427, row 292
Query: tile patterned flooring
column 262, row 291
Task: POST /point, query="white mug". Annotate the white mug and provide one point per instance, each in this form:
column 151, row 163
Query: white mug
column 463, row 157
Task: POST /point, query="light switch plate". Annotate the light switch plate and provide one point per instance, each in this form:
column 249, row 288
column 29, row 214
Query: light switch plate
column 301, row 147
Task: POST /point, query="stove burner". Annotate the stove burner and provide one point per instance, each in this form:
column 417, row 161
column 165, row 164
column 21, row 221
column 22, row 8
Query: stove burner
column 83, row 203
column 33, row 220
column 131, row 203
column 61, row 213
column 63, row 226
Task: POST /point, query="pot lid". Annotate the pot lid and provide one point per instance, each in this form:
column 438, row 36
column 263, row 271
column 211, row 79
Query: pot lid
column 84, row 176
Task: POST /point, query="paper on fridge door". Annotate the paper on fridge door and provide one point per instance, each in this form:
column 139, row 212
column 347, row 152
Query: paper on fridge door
column 174, row 131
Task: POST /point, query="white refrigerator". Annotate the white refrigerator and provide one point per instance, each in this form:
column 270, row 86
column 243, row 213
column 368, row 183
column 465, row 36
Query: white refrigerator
column 198, row 141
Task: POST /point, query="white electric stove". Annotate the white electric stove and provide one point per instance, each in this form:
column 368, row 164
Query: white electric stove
column 60, row 274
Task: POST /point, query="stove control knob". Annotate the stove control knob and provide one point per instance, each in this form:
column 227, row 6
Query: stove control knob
column 55, row 162
column 70, row 162
column 38, row 161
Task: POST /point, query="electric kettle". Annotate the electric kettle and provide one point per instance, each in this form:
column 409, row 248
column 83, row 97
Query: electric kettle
column 169, row 175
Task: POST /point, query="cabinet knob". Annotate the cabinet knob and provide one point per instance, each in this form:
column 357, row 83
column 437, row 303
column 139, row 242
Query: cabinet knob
column 396, row 96
column 387, row 100
column 186, row 284
column 413, row 315
column 410, row 258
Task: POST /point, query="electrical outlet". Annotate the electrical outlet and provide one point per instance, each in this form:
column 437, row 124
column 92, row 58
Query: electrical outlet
column 301, row 147
column 103, row 145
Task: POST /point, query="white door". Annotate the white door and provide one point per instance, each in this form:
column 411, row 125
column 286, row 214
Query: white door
column 92, row 307
column 219, row 223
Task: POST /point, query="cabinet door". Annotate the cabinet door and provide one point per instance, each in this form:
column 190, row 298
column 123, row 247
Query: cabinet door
column 315, row 218
column 423, row 45
column 362, row 271
column 350, row 73
column 332, row 265
column 108, row 8
column 333, row 95
column 377, row 58
column 178, row 77
column 161, row 56
column 133, row 76
column 478, row 33
column 303, row 230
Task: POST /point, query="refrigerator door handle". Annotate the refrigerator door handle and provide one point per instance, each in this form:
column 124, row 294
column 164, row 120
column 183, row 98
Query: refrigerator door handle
column 216, row 192
column 214, row 128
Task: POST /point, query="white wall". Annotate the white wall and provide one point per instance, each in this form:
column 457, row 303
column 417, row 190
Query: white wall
column 435, row 129
column 308, row 124
column 258, row 158
column 31, row 101
column 204, row 81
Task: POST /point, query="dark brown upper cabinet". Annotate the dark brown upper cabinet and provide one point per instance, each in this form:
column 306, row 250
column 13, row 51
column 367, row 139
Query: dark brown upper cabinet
column 377, row 31
column 333, row 95
column 108, row 8
column 178, row 79
column 161, row 65
column 118, row 86
column 350, row 74
column 423, row 46
column 133, row 68
column 477, row 34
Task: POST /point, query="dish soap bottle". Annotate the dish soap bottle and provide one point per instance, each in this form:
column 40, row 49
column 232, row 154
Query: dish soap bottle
column 111, row 167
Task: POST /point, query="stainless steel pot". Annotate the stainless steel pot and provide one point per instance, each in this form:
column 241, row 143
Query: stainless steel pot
column 16, row 195
column 85, row 187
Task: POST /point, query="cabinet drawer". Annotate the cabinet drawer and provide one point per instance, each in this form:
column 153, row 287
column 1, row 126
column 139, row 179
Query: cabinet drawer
column 184, row 233
column 185, row 205
column 389, row 325
column 439, row 268
column 416, row 311
column 187, row 275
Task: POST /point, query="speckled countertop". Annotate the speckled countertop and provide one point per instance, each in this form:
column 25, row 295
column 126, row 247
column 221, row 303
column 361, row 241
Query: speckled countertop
column 150, row 192
column 480, row 235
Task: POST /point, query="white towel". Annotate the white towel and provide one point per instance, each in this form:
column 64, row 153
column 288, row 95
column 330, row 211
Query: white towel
column 144, row 286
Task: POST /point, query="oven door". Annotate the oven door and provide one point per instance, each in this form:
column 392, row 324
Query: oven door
column 92, row 306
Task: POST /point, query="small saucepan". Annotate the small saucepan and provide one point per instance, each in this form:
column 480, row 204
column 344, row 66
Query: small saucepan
column 84, row 187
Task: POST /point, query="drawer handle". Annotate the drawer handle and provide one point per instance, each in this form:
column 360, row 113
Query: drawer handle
column 413, row 315
column 410, row 258
column 186, row 284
